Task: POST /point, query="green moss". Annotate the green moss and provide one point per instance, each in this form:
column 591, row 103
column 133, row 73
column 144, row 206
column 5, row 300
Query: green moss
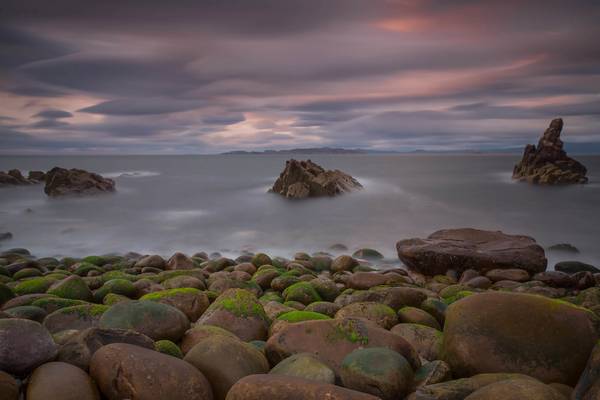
column 348, row 330
column 169, row 348
column 460, row 295
column 113, row 298
column 196, row 273
column 51, row 304
column 120, row 286
column 84, row 268
column 270, row 296
column 27, row 273
column 58, row 276
column 6, row 293
column 96, row 260
column 72, row 287
column 85, row 310
column 68, row 261
column 33, row 285
column 302, row 292
column 155, row 296
column 240, row 303
column 299, row 316
column 261, row 259
column 110, row 275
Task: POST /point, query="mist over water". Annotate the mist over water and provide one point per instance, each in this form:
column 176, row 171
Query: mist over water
column 165, row 204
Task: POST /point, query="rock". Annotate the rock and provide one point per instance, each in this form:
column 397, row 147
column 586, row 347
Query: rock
column 154, row 261
column 72, row 287
column 378, row 371
column 511, row 274
column 368, row 254
column 13, row 177
column 431, row 373
column 27, row 312
column 61, row 182
column 180, row 261
column 302, row 292
column 462, row 249
column 198, row 333
column 79, row 348
column 413, row 315
column 588, row 386
column 380, row 314
column 184, row 282
column 61, row 381
column 554, row 279
column 302, row 179
column 155, row 320
column 367, row 280
column 168, row 347
column 260, row 259
column 332, row 340
column 9, row 387
column 326, row 288
column 425, row 340
column 5, row 236
column 460, row 388
column 281, row 387
column 225, row 360
column 36, row 176
column 572, row 267
column 323, row 307
column 500, row 332
column 192, row 302
column 124, row 371
column 239, row 312
column 516, row 389
column 24, row 345
column 564, row 248
column 548, row 163
column 74, row 317
column 306, row 366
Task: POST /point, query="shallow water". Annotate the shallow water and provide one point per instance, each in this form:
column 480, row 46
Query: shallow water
column 219, row 203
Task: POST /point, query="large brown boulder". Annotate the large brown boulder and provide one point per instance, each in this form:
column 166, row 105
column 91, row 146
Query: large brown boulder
column 60, row 182
column 124, row 371
column 302, row 179
column 588, row 387
column 516, row 389
column 547, row 339
column 467, row 248
column 281, row 387
column 548, row 163
column 332, row 340
column 61, row 381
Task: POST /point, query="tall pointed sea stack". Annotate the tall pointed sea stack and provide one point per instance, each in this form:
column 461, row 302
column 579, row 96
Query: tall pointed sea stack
column 548, row 163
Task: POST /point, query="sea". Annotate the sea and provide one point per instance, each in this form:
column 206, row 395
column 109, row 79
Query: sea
column 220, row 203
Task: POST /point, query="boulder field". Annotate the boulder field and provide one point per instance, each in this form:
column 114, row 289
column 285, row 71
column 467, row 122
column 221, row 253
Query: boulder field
column 474, row 316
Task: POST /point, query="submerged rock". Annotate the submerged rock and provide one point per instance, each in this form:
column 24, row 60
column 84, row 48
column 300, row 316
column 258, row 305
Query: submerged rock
column 462, row 249
column 548, row 163
column 302, row 179
column 60, row 182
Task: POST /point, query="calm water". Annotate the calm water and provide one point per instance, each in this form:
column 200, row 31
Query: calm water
column 219, row 203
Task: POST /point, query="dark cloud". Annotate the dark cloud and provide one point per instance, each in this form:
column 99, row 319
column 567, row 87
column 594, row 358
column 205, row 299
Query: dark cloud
column 142, row 106
column 53, row 114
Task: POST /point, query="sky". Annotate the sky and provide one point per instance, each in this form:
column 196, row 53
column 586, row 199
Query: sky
column 207, row 76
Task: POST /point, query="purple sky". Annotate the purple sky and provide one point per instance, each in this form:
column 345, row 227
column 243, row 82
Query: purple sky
column 185, row 76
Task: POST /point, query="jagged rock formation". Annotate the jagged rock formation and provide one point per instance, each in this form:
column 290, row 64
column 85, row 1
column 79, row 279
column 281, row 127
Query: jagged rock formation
column 302, row 179
column 15, row 177
column 548, row 163
column 60, row 182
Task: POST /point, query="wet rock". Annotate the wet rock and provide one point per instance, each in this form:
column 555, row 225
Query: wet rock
column 379, row 371
column 431, row 373
column 192, row 302
column 225, row 360
column 73, row 287
column 463, row 249
column 500, row 332
column 74, row 317
column 572, row 267
column 380, row 314
column 154, row 261
column 238, row 311
column 332, row 340
column 343, row 263
column 36, row 176
column 302, row 292
column 27, row 312
column 301, row 179
column 24, row 345
column 9, row 387
column 368, row 254
column 179, row 261
column 61, row 381
column 61, row 182
column 306, row 366
column 588, row 386
column 460, row 388
column 155, row 320
column 511, row 274
column 413, row 315
column 548, row 163
column 197, row 333
column 281, row 387
column 555, row 279
column 425, row 340
column 516, row 389
column 323, row 307
column 564, row 248
column 79, row 348
column 124, row 371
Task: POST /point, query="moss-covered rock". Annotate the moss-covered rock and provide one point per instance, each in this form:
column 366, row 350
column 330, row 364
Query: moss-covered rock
column 306, row 366
column 302, row 292
column 122, row 287
column 378, row 313
column 168, row 347
column 95, row 260
column 299, row 316
column 323, row 307
column 426, row 340
column 261, row 259
column 32, row 313
column 83, row 269
column 457, row 296
column 73, row 288
column 113, row 298
column 270, row 296
column 413, row 315
column 240, row 312
column 110, row 275
column 51, row 304
column 192, row 302
column 283, row 281
column 27, row 273
column 33, row 285
column 326, row 288
column 74, row 317
column 6, row 294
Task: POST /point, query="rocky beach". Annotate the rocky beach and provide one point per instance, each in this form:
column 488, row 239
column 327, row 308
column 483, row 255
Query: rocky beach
column 472, row 315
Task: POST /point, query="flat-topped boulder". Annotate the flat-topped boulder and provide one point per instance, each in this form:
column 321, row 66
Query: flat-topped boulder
column 467, row 248
column 301, row 179
column 548, row 163
column 61, row 182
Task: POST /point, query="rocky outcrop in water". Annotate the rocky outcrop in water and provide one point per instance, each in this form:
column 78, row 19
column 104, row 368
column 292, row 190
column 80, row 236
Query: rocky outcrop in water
column 462, row 249
column 301, row 179
column 61, row 182
column 15, row 177
column 548, row 163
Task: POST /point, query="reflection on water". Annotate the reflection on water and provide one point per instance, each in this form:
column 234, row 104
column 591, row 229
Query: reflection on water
column 191, row 203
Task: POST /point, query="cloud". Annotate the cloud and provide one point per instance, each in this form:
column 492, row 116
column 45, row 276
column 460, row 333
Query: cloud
column 53, row 114
column 142, row 106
